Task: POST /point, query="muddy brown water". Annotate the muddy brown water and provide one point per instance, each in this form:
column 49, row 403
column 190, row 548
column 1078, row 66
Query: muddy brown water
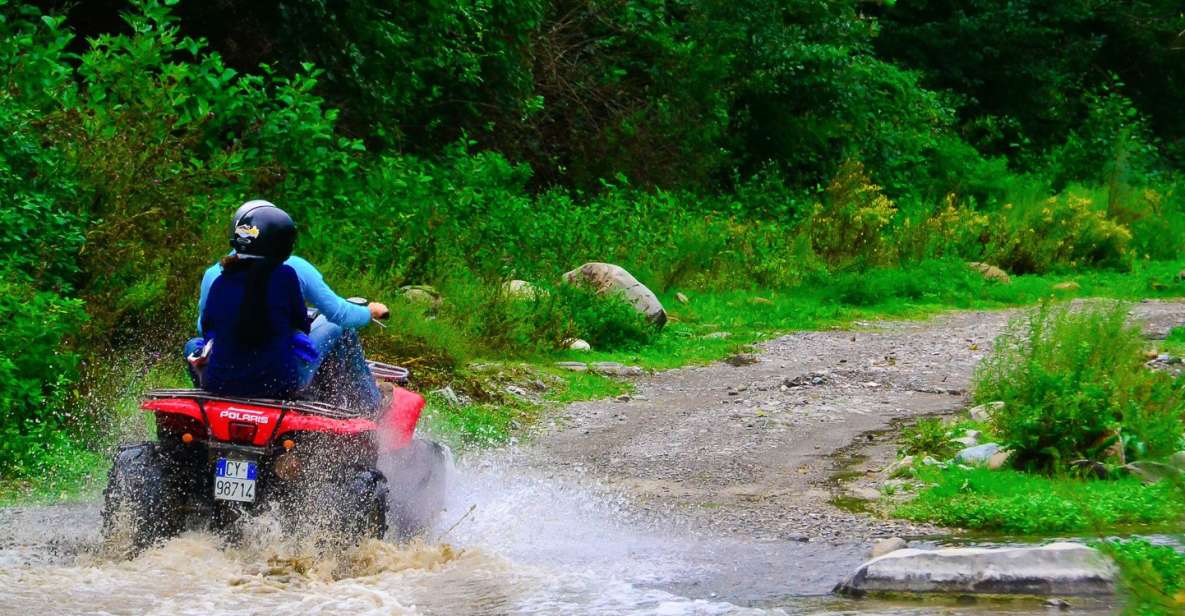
column 513, row 541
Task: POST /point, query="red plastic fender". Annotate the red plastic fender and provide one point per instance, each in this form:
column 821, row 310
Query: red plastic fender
column 177, row 406
column 397, row 425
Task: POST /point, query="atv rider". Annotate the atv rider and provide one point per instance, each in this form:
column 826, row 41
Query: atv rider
column 338, row 374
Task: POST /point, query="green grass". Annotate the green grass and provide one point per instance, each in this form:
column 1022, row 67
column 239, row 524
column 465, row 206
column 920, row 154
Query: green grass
column 68, row 474
column 587, row 386
column 1152, row 576
column 912, row 292
column 1014, row 503
column 1174, row 343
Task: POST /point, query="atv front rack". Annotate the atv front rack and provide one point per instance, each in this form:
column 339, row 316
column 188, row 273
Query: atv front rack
column 304, row 406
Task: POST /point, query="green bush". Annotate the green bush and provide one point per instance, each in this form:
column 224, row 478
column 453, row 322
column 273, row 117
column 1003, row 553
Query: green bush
column 1072, row 380
column 37, row 375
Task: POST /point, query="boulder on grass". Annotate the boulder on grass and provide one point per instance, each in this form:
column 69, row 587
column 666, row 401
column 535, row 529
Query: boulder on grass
column 1055, row 569
column 991, row 272
column 606, row 278
column 977, row 455
column 421, row 294
column 521, row 289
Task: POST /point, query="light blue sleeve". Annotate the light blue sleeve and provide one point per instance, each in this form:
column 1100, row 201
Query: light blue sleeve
column 207, row 281
column 316, row 292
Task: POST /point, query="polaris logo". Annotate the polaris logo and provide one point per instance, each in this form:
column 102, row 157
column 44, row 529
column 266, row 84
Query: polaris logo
column 244, row 415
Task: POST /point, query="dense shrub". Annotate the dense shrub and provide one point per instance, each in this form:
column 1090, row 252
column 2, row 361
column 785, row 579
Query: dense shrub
column 1072, row 381
column 37, row 372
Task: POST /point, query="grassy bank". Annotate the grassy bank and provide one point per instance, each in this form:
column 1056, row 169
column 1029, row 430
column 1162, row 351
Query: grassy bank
column 448, row 352
column 1009, row 502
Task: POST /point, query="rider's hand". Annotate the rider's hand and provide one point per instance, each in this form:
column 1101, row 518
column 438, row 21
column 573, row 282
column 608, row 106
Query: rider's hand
column 378, row 311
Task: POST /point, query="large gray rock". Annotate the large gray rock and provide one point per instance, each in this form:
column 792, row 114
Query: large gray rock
column 1055, row 569
column 612, row 368
column 606, row 277
column 977, row 455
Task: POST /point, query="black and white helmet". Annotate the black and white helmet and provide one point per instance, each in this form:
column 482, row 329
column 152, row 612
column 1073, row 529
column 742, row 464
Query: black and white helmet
column 262, row 230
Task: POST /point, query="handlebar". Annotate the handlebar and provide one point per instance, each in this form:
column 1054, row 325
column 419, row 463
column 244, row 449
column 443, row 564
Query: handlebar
column 362, row 301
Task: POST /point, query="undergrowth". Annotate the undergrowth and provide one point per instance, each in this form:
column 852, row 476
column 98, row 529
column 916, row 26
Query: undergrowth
column 1152, row 576
column 1013, row 502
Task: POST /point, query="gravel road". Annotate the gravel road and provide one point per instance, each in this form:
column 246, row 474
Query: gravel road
column 754, row 450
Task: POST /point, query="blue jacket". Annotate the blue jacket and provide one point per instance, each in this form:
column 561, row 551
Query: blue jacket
column 270, row 369
column 312, row 285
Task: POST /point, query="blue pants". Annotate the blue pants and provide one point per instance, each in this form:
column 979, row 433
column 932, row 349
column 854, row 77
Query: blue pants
column 340, row 375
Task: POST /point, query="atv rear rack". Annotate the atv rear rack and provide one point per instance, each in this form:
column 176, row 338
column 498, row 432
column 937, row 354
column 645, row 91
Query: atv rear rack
column 386, row 372
column 304, row 406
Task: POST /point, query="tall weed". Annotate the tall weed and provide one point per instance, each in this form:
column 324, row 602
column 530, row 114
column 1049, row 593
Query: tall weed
column 1072, row 381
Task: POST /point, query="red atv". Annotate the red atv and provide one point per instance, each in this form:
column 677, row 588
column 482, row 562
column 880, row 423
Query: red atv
column 314, row 466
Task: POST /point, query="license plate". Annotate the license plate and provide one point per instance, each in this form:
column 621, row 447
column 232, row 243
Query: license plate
column 234, row 480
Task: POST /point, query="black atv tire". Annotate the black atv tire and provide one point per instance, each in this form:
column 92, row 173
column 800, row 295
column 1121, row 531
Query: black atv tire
column 419, row 483
column 139, row 505
column 345, row 512
column 361, row 506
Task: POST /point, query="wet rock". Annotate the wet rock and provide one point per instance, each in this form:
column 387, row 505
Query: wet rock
column 984, row 412
column 991, row 272
column 717, row 336
column 1060, row 604
column 681, row 298
column 606, row 278
column 978, row 454
column 612, row 368
column 1068, row 286
column 521, row 289
column 574, row 366
column 579, row 345
column 1055, row 569
column 864, row 494
column 884, row 546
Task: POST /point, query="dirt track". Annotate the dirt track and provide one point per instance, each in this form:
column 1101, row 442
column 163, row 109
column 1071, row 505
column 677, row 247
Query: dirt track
column 753, row 450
